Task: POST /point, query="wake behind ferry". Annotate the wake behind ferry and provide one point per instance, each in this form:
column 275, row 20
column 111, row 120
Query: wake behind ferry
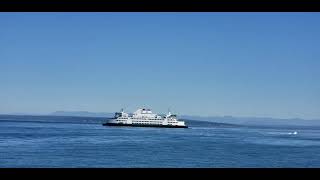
column 144, row 117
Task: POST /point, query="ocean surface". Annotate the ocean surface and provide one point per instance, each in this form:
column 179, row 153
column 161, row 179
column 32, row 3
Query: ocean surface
column 49, row 141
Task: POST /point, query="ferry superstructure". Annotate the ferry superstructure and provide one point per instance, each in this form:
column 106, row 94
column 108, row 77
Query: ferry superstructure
column 144, row 117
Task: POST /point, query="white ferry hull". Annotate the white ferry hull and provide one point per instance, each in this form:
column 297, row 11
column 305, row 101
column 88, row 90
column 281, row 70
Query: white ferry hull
column 144, row 125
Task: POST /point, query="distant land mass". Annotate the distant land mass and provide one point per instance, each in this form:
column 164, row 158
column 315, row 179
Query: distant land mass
column 255, row 120
column 268, row 121
column 217, row 119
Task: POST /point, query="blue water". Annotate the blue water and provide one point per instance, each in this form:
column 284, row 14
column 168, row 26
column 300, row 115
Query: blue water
column 80, row 142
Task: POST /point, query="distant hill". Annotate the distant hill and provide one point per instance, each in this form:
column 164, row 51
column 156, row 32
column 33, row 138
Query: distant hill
column 81, row 114
column 217, row 119
column 255, row 120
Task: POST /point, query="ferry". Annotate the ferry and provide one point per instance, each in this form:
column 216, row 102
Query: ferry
column 144, row 117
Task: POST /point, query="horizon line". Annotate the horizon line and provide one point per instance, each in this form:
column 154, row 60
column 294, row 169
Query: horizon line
column 207, row 116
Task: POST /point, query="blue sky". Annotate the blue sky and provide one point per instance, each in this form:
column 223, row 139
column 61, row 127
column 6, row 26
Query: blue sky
column 239, row 64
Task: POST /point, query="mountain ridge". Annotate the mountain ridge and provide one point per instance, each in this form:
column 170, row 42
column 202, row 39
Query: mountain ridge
column 219, row 119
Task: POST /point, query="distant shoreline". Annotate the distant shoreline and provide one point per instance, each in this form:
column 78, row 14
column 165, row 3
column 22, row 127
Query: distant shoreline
column 250, row 121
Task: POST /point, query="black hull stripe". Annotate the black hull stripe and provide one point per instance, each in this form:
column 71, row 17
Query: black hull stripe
column 144, row 125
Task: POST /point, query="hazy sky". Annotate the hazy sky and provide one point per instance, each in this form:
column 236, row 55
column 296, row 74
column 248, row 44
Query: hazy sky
column 240, row 64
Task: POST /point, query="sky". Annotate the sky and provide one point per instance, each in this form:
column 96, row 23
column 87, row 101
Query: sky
column 208, row 64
